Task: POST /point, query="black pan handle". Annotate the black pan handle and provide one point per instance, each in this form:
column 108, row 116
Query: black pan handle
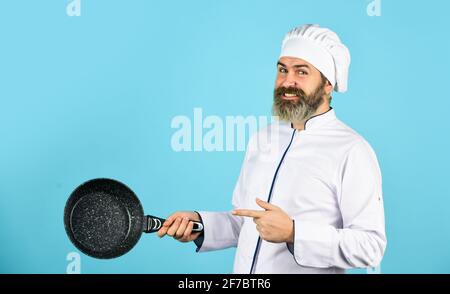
column 153, row 224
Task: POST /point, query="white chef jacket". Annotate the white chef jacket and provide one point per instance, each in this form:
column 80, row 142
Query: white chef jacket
column 327, row 179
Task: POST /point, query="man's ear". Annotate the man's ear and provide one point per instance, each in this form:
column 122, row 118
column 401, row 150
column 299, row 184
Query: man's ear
column 328, row 88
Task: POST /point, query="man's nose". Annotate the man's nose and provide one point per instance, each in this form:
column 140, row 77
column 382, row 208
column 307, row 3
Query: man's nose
column 289, row 81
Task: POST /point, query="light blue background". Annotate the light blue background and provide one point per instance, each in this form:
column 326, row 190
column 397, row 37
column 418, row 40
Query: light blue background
column 94, row 96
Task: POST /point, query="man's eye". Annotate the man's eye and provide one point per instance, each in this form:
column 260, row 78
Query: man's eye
column 282, row 70
column 301, row 73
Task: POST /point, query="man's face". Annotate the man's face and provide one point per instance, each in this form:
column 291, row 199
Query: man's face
column 299, row 90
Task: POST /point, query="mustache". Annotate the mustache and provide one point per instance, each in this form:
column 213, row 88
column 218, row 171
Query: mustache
column 290, row 90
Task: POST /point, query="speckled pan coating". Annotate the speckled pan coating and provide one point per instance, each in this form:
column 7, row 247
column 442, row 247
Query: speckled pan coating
column 103, row 218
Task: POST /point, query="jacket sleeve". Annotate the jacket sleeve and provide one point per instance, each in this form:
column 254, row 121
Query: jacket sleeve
column 221, row 229
column 361, row 241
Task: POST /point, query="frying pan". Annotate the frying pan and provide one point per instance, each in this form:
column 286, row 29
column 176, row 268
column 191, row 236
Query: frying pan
column 105, row 219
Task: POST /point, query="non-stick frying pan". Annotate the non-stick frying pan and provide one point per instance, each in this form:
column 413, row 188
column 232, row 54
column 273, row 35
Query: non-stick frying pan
column 105, row 219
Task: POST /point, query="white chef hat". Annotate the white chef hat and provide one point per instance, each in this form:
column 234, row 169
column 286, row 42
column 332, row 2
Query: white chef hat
column 322, row 48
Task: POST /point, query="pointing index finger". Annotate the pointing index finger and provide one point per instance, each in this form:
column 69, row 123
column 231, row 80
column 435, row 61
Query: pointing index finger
column 248, row 212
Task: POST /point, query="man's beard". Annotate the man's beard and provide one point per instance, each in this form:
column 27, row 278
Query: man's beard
column 300, row 109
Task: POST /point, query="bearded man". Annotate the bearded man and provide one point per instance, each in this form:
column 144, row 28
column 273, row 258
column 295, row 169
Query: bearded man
column 309, row 195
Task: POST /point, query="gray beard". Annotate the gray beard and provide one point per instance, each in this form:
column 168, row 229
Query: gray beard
column 299, row 110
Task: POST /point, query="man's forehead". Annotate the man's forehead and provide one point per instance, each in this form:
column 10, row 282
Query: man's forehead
column 294, row 62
